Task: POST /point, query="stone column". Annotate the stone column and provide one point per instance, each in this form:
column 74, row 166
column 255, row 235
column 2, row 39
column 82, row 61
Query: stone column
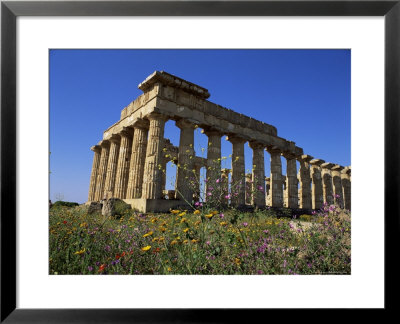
column 112, row 166
column 316, row 187
column 267, row 191
column 225, row 185
column 305, row 181
column 327, row 182
column 152, row 177
column 276, row 193
column 238, row 171
column 137, row 161
column 292, row 194
column 101, row 176
column 213, row 171
column 346, row 184
column 95, row 169
column 248, row 188
column 337, row 184
column 258, row 174
column 125, row 152
column 196, row 194
column 184, row 179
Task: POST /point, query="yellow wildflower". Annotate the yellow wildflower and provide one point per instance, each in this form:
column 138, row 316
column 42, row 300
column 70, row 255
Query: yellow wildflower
column 197, row 222
column 185, row 241
column 214, row 212
column 194, row 241
column 174, row 242
column 223, row 223
column 183, row 220
column 146, row 248
column 148, row 234
column 209, row 215
column 161, row 239
column 162, row 229
column 237, row 261
column 182, row 214
column 186, row 230
column 80, row 252
column 196, row 212
column 174, row 211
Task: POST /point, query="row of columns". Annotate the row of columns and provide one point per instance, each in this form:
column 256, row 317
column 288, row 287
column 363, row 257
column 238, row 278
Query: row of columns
column 131, row 165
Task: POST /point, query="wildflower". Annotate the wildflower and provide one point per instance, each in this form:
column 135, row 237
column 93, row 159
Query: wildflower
column 221, row 216
column 90, row 268
column 197, row 222
column 173, row 242
column 182, row 214
column 162, row 229
column 102, row 267
column 218, row 180
column 194, row 241
column 148, row 234
column 156, row 250
column 161, row 239
column 65, row 222
column 245, row 224
column 209, row 215
column 209, row 194
column 208, row 242
column 198, row 204
column 183, row 220
column 80, row 252
column 196, row 212
column 174, row 211
column 284, row 263
column 146, row 248
column 186, row 230
column 223, row 223
column 237, row 261
column 169, row 269
column 185, row 241
column 214, row 212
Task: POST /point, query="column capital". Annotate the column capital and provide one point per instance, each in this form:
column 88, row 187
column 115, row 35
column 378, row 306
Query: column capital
column 288, row 155
column 156, row 116
column 126, row 131
column 273, row 149
column 212, row 132
column 305, row 158
column 347, row 170
column 256, row 145
column 337, row 167
column 235, row 139
column 143, row 123
column 115, row 138
column 327, row 165
column 317, row 162
column 96, row 148
column 104, row 143
column 183, row 123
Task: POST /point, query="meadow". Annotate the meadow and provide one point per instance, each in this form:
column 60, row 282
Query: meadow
column 201, row 241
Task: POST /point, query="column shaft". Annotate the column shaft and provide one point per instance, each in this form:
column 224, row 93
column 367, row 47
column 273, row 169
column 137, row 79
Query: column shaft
column 346, row 184
column 305, row 182
column 291, row 182
column 327, row 183
column 258, row 175
column 276, row 195
column 122, row 177
column 213, row 171
column 316, row 187
column 137, row 161
column 185, row 176
column 112, row 167
column 152, row 177
column 238, row 172
column 337, row 185
column 95, row 169
column 101, row 176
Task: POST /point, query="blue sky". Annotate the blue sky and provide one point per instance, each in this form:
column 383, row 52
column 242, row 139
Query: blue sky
column 305, row 94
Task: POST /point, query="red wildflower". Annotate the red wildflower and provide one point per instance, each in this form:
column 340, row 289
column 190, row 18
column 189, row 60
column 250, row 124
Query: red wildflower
column 102, row 267
column 65, row 222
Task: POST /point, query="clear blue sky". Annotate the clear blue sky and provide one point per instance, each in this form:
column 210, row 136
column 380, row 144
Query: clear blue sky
column 305, row 94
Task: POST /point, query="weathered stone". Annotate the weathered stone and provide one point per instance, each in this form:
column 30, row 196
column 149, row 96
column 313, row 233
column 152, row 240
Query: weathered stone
column 292, row 195
column 276, row 195
column 95, row 169
column 101, row 175
column 337, row 184
column 125, row 151
column 346, row 184
column 112, row 166
column 305, row 181
column 258, row 175
column 317, row 188
column 114, row 207
column 238, row 171
column 94, row 207
column 327, row 182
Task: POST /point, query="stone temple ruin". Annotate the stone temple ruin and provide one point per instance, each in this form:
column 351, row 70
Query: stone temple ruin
column 129, row 162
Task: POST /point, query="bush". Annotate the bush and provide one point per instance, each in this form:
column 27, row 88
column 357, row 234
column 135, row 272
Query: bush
column 65, row 204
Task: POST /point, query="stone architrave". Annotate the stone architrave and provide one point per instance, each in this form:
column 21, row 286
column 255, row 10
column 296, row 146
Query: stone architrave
column 112, row 166
column 185, row 176
column 95, row 169
column 292, row 195
column 327, row 182
column 152, row 176
column 238, row 172
column 337, row 184
column 248, row 188
column 101, row 176
column 316, row 187
column 346, row 184
column 213, row 171
column 125, row 152
column 276, row 190
column 305, row 181
column 138, row 158
column 258, row 174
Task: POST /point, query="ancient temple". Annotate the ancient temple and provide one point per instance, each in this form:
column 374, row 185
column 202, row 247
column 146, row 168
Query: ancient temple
column 129, row 162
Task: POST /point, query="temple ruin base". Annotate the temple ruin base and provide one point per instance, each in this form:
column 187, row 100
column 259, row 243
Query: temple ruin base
column 144, row 205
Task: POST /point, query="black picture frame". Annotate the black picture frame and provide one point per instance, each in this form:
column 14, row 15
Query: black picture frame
column 10, row 10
